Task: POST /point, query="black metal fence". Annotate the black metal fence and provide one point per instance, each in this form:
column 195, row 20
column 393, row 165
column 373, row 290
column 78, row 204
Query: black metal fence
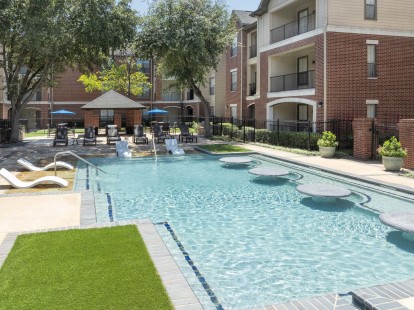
column 293, row 134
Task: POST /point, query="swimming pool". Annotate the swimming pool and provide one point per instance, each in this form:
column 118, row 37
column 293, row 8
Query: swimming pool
column 255, row 241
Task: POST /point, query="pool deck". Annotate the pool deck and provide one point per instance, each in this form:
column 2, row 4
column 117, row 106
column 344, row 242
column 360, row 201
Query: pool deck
column 34, row 210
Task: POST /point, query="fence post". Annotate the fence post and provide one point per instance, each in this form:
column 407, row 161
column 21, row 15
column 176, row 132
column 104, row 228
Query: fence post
column 254, row 130
column 244, row 130
column 309, row 135
column 277, row 132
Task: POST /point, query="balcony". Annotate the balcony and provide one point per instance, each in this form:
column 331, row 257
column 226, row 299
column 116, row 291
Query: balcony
column 295, row 81
column 292, row 29
column 253, row 51
column 171, row 96
column 252, row 89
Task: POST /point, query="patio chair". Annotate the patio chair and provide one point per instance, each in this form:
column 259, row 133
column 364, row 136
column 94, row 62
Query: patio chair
column 159, row 134
column 112, row 135
column 61, row 136
column 139, row 135
column 89, row 136
column 31, row 167
column 185, row 134
column 17, row 183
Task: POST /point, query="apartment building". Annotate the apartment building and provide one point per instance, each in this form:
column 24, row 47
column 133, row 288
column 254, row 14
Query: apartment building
column 322, row 60
column 69, row 94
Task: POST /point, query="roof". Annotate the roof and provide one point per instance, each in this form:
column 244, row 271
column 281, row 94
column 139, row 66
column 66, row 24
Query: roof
column 244, row 17
column 113, row 100
column 263, row 7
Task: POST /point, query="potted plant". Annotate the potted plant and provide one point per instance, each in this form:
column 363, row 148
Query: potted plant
column 327, row 144
column 392, row 154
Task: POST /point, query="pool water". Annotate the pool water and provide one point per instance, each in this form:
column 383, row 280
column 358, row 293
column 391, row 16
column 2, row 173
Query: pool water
column 256, row 241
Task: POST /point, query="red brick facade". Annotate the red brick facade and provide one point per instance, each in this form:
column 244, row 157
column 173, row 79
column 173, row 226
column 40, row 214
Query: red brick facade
column 349, row 86
column 406, row 128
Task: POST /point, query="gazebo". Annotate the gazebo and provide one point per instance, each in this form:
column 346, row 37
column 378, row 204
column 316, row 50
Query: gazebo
column 113, row 100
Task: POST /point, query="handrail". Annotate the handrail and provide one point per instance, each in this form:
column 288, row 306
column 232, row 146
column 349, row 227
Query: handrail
column 153, row 143
column 77, row 156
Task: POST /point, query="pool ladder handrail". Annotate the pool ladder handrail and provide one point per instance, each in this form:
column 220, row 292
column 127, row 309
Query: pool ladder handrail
column 153, row 144
column 78, row 157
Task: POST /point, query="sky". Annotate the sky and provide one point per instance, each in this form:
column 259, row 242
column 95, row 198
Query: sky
column 246, row 5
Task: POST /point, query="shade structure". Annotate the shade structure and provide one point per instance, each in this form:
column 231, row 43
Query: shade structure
column 156, row 111
column 63, row 112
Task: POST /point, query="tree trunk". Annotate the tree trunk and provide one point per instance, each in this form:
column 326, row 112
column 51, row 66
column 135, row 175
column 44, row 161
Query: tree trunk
column 15, row 117
column 206, row 105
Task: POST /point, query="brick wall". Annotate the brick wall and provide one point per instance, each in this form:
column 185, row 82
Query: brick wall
column 349, row 86
column 406, row 136
column 362, row 138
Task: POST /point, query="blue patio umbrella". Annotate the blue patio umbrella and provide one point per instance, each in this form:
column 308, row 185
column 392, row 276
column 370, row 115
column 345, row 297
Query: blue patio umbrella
column 62, row 112
column 156, row 111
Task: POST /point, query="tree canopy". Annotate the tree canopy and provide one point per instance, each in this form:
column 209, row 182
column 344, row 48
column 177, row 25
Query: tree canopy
column 41, row 38
column 187, row 37
column 123, row 77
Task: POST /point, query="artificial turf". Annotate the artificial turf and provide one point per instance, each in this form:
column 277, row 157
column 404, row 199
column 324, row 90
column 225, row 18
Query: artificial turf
column 106, row 268
column 223, row 148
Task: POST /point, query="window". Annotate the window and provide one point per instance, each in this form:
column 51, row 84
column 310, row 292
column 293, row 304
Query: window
column 233, row 111
column 145, row 66
column 234, row 47
column 372, row 108
column 371, row 9
column 303, row 71
column 303, row 21
column 212, row 85
column 372, row 60
column 233, row 86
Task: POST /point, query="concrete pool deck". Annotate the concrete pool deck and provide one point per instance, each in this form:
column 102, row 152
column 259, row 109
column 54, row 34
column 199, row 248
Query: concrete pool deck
column 55, row 208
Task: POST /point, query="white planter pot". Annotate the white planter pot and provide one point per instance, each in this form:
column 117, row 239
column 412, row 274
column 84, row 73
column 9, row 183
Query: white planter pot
column 392, row 163
column 327, row 151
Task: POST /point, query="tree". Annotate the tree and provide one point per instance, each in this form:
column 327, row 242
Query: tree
column 123, row 77
column 41, row 38
column 187, row 37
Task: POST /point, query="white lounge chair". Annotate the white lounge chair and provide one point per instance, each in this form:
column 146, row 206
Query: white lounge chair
column 122, row 149
column 15, row 182
column 172, row 146
column 31, row 167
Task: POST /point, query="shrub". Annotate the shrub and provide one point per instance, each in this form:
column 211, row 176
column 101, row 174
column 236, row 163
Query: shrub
column 328, row 140
column 392, row 148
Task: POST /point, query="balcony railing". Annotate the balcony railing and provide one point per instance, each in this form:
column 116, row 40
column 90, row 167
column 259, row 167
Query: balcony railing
column 170, row 97
column 295, row 81
column 252, row 89
column 292, row 29
column 253, row 51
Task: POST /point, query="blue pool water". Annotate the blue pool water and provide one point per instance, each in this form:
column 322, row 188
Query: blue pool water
column 256, row 241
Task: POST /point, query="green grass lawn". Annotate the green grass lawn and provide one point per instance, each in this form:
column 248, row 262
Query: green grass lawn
column 43, row 132
column 106, row 268
column 223, row 148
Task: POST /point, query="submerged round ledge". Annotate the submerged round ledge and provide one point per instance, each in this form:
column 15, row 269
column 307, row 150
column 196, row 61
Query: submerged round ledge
column 269, row 171
column 323, row 190
column 236, row 160
column 403, row 221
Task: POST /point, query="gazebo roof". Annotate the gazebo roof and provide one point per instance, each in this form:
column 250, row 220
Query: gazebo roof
column 113, row 100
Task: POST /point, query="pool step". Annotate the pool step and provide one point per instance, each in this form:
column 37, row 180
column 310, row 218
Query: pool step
column 391, row 296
